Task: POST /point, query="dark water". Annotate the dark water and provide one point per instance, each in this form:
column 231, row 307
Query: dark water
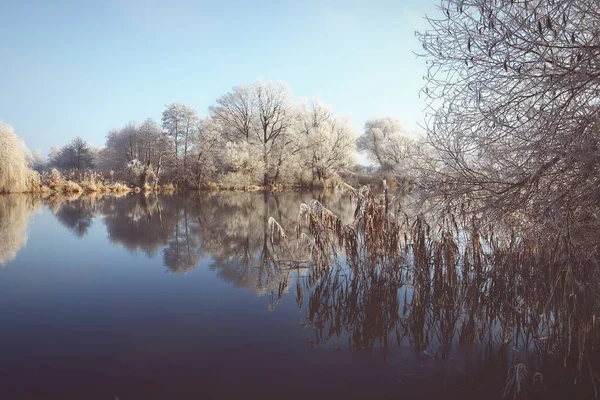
column 179, row 297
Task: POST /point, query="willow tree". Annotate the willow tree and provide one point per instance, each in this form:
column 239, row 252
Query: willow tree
column 15, row 174
column 514, row 89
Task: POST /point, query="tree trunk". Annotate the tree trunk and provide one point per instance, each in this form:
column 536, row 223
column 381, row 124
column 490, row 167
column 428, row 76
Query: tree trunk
column 266, row 165
column 185, row 148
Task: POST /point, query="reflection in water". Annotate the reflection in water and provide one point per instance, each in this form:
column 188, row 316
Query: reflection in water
column 528, row 303
column 230, row 228
column 15, row 211
column 481, row 304
column 137, row 222
column 237, row 236
column 76, row 214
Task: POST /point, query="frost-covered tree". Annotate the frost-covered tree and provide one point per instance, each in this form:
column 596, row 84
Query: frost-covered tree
column 275, row 117
column 37, row 161
column 514, row 87
column 180, row 122
column 145, row 143
column 15, row 174
column 206, row 157
column 324, row 141
column 172, row 120
column 386, row 143
column 261, row 115
column 240, row 162
column 75, row 155
column 236, row 113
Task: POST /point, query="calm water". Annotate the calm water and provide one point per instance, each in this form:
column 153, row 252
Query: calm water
column 172, row 297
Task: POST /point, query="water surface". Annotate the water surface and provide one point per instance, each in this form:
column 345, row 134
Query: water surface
column 169, row 297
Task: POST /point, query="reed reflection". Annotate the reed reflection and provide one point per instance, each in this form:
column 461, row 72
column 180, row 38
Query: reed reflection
column 526, row 301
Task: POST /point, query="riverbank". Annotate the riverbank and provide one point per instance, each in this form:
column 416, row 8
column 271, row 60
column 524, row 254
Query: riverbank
column 92, row 182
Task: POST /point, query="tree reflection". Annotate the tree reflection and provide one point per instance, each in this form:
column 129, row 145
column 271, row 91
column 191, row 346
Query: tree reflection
column 230, row 230
column 183, row 250
column 76, row 214
column 15, row 211
column 138, row 222
column 237, row 235
column 379, row 282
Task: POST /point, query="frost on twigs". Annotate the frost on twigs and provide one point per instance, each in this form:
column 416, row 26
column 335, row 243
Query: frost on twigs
column 15, row 174
column 513, row 113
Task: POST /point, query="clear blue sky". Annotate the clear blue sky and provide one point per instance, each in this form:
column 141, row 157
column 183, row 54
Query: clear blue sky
column 72, row 68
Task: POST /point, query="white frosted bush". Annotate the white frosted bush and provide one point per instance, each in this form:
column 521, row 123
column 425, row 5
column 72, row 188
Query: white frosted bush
column 15, row 174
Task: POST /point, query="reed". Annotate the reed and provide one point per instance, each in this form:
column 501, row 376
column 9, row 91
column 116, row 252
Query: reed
column 392, row 276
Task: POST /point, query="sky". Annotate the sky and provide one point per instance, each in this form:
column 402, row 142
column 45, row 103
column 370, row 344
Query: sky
column 81, row 68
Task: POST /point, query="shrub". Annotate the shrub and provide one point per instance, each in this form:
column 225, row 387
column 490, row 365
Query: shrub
column 71, row 187
column 118, row 187
column 209, row 186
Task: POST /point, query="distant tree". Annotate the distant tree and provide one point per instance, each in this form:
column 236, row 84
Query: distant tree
column 181, row 123
column 207, row 153
column 145, row 143
column 326, row 142
column 37, row 161
column 260, row 114
column 386, row 143
column 514, row 87
column 239, row 160
column 235, row 111
column 272, row 101
column 75, row 155
column 153, row 145
column 172, row 119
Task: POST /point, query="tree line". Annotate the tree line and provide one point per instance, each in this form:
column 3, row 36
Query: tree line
column 253, row 135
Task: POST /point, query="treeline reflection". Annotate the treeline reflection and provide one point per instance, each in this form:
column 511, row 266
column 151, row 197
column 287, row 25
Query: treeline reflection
column 230, row 229
column 440, row 288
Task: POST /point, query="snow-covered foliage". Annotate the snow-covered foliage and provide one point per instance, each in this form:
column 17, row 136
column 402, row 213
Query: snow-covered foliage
column 15, row 174
column 386, row 143
column 241, row 161
column 206, row 156
column 77, row 155
column 260, row 115
column 253, row 135
column 145, row 143
column 180, row 122
column 512, row 89
column 293, row 143
column 135, row 168
column 324, row 141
